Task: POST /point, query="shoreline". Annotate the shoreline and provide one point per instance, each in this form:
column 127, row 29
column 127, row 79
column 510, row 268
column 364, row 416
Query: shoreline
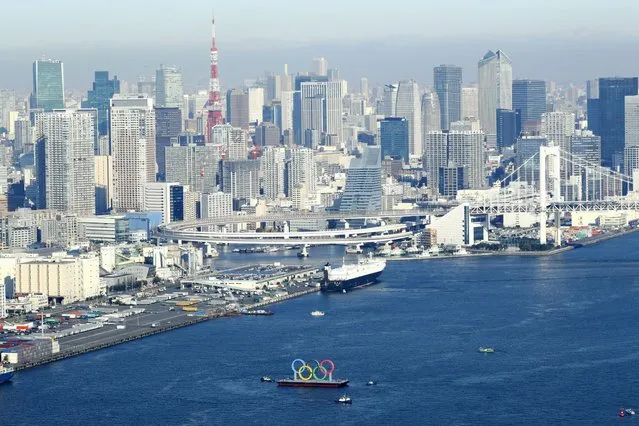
column 84, row 349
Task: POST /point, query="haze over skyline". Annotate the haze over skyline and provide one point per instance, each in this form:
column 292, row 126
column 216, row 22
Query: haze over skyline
column 569, row 41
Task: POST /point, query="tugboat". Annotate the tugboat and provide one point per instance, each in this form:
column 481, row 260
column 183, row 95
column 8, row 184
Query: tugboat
column 266, row 379
column 344, row 399
column 304, row 252
column 486, row 350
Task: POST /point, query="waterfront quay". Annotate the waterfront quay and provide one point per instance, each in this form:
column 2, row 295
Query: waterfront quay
column 81, row 329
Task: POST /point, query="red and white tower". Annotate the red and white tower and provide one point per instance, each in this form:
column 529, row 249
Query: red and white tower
column 214, row 105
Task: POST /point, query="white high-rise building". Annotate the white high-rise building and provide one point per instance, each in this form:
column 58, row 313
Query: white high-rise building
column 133, row 150
column 431, row 113
column 273, row 164
column 302, row 169
column 193, row 165
column 409, row 106
column 495, row 88
column 470, row 102
column 168, row 88
column 322, row 106
column 166, row 198
column 286, row 99
column 320, row 66
column 69, row 159
column 233, row 141
column 631, row 121
column 216, row 204
column 256, row 104
column 557, row 127
column 389, row 102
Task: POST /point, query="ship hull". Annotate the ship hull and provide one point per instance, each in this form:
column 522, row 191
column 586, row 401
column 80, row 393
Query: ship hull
column 5, row 377
column 331, row 286
column 312, row 383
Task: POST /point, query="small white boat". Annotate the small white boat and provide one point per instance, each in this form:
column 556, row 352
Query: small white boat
column 344, row 399
column 303, row 252
column 486, row 350
column 354, row 249
column 630, row 411
column 317, row 313
column 371, row 383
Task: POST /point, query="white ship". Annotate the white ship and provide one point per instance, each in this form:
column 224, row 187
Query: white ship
column 347, row 277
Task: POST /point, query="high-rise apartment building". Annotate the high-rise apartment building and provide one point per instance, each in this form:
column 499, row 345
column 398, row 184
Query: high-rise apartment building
column 103, row 183
column 394, row 138
column 363, row 190
column 132, row 149
column 99, row 97
column 409, row 106
column 69, row 136
column 273, row 165
column 448, row 85
column 48, row 85
column 301, row 170
column 216, row 204
column 470, row 102
column 232, row 140
column 529, row 97
column 451, row 151
column 495, row 88
column 193, row 165
column 240, row 178
column 606, row 115
column 169, row 90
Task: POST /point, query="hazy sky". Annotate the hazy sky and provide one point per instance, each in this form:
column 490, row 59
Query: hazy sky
column 384, row 40
column 242, row 22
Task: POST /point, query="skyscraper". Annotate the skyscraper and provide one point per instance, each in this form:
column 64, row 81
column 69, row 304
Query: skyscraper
column 194, row 166
column 508, row 127
column 69, row 162
column 321, row 108
column 273, row 164
column 240, row 178
column 99, row 97
column 133, row 149
column 529, row 97
column 301, row 169
column 394, row 138
column 237, row 108
column 495, row 88
column 232, row 141
column 448, row 85
column 320, row 66
column 255, row 104
column 166, row 198
column 363, row 190
column 168, row 87
column 298, row 131
column 470, row 102
column 168, row 125
column 610, row 124
column 431, row 121
column 267, row 134
column 409, row 106
column 389, row 102
column 48, row 85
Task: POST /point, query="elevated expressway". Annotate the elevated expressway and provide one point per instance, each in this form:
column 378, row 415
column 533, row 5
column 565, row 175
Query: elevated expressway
column 216, row 230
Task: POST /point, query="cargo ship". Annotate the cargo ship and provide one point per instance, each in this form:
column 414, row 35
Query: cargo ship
column 347, row 277
column 6, row 373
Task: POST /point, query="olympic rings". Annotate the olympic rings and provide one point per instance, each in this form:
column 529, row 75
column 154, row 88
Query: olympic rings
column 312, row 370
column 301, row 375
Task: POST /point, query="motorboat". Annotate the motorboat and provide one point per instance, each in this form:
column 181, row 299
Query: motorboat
column 304, row 252
column 317, row 313
column 354, row 249
column 486, row 350
column 371, row 383
column 344, row 399
column 266, row 379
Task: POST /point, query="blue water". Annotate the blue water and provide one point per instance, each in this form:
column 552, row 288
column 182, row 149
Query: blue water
column 565, row 330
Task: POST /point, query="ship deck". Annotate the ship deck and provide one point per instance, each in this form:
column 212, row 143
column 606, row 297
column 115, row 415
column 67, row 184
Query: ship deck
column 338, row 383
